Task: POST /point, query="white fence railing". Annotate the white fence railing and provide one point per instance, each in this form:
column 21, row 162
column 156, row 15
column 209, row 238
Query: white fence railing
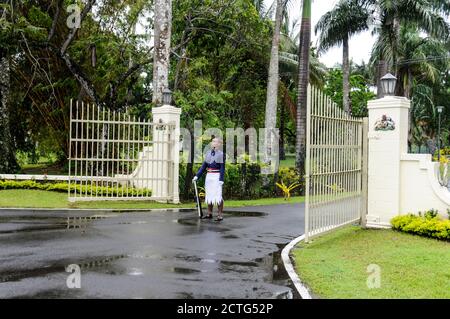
column 114, row 155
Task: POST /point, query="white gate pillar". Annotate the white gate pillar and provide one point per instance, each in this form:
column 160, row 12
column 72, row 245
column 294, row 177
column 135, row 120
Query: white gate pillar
column 168, row 114
column 388, row 139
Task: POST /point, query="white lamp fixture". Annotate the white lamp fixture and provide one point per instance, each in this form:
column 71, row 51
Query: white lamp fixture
column 440, row 108
column 388, row 84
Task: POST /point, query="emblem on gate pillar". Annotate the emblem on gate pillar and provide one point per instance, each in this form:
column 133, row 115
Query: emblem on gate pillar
column 385, row 124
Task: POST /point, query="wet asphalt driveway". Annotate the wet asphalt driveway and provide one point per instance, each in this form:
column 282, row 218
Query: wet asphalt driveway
column 165, row 254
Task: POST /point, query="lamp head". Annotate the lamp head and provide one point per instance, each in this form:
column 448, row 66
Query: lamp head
column 167, row 97
column 388, row 84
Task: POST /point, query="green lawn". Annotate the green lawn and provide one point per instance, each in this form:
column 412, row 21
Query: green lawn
column 47, row 199
column 288, row 162
column 335, row 265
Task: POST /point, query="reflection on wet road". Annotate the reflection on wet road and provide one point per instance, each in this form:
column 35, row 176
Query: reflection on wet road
column 148, row 255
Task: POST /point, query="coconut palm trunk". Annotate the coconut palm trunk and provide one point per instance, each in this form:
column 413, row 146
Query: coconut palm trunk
column 382, row 69
column 161, row 58
column 346, row 75
column 303, row 79
column 272, row 84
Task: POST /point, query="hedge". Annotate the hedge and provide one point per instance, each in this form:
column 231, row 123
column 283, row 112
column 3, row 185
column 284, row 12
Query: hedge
column 64, row 187
column 245, row 181
column 428, row 225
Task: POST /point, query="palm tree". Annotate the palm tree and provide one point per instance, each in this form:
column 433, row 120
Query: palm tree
column 423, row 117
column 272, row 82
column 289, row 73
column 336, row 28
column 391, row 14
column 161, row 61
column 413, row 60
column 303, row 79
column 419, row 64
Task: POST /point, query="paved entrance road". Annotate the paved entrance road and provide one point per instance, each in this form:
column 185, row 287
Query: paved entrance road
column 148, row 255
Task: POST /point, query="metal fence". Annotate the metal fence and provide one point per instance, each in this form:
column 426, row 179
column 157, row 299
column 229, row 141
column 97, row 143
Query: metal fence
column 335, row 166
column 114, row 155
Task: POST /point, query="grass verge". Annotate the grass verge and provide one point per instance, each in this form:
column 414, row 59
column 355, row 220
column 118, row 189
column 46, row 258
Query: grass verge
column 335, row 265
column 24, row 198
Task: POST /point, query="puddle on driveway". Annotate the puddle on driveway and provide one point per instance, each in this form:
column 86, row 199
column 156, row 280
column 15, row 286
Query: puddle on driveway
column 184, row 271
column 212, row 225
column 243, row 214
column 23, row 224
column 230, row 236
column 59, row 267
column 279, row 275
column 272, row 263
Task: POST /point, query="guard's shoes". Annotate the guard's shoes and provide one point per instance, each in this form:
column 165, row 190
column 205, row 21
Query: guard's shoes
column 207, row 216
column 219, row 219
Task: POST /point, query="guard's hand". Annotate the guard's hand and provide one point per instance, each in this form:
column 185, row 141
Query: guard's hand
column 194, row 179
column 220, row 183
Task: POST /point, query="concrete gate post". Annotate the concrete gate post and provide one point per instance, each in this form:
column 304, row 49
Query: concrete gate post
column 167, row 114
column 388, row 140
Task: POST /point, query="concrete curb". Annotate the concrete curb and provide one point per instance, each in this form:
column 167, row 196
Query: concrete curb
column 301, row 288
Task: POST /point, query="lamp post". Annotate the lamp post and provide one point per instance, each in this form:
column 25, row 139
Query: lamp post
column 167, row 97
column 388, row 84
column 439, row 110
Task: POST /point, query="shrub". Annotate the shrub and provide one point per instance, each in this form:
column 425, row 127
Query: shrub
column 64, row 187
column 287, row 189
column 424, row 226
column 445, row 152
column 244, row 181
column 430, row 214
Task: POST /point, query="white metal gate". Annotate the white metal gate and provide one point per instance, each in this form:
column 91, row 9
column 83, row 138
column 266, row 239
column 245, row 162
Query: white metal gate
column 114, row 155
column 336, row 167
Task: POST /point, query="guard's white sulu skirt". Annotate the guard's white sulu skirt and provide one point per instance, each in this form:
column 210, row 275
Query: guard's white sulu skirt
column 213, row 189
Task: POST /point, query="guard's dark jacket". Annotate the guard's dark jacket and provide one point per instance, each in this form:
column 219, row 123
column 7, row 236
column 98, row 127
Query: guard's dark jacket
column 214, row 161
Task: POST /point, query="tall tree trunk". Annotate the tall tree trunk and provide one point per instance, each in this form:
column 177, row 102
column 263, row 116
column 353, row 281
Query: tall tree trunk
column 400, row 89
column 382, row 69
column 8, row 163
column 282, row 151
column 303, row 79
column 189, row 167
column 161, row 59
column 272, row 84
column 409, row 85
column 410, row 117
column 346, row 75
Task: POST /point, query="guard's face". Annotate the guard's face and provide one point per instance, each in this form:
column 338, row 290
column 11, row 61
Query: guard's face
column 215, row 143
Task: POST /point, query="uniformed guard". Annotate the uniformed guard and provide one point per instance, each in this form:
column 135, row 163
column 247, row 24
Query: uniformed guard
column 214, row 164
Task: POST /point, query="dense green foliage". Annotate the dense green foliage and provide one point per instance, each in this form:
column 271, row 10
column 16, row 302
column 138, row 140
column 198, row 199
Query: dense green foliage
column 219, row 65
column 360, row 93
column 100, row 64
